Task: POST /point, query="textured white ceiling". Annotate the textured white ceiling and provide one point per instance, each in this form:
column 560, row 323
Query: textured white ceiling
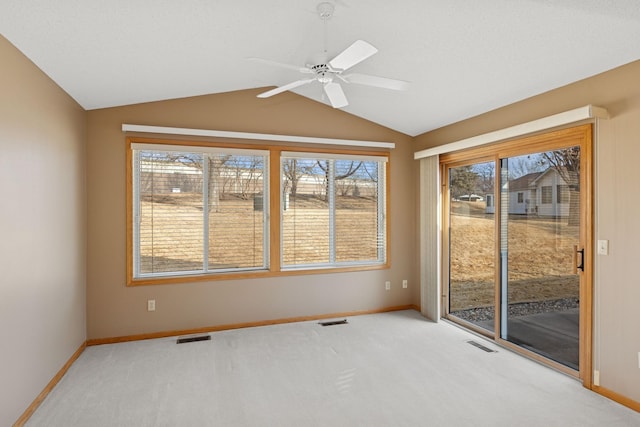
column 462, row 57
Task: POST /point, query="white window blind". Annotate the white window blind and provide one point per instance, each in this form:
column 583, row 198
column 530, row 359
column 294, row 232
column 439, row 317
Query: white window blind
column 333, row 210
column 198, row 210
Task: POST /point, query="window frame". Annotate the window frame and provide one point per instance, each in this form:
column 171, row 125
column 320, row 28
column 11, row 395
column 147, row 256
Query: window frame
column 204, row 152
column 381, row 210
column 273, row 204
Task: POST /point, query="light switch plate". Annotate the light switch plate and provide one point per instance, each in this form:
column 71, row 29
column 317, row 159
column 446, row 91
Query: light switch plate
column 603, row 247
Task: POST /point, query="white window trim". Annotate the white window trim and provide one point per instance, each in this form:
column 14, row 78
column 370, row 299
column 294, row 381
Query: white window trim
column 136, row 148
column 545, row 123
column 332, row 156
column 141, row 146
column 381, row 211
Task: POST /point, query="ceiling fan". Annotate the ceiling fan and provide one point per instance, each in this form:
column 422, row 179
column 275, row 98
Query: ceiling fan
column 330, row 72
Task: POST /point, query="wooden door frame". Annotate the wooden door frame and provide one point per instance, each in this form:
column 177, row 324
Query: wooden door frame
column 581, row 135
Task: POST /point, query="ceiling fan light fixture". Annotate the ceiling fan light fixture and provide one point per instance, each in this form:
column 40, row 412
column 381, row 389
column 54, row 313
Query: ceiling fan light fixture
column 323, row 73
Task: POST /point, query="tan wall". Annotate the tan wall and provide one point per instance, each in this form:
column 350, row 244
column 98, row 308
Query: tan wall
column 617, row 287
column 42, row 230
column 116, row 310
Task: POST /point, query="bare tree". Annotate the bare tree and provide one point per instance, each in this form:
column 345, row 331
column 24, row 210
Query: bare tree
column 346, row 186
column 254, row 173
column 292, row 172
column 524, row 165
column 567, row 163
column 215, row 164
column 371, row 174
column 339, row 175
column 242, row 175
column 486, row 176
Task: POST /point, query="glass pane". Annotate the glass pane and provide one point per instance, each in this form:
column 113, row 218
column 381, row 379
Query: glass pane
column 199, row 212
column 472, row 244
column 356, row 219
column 236, row 212
column 332, row 212
column 170, row 212
column 540, row 297
column 305, row 218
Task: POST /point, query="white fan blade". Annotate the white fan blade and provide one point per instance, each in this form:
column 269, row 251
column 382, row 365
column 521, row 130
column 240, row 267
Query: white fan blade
column 336, row 95
column 383, row 82
column 354, row 54
column 285, row 88
column 281, row 65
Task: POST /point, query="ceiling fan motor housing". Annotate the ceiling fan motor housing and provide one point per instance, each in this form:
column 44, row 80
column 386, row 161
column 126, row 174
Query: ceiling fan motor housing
column 323, row 73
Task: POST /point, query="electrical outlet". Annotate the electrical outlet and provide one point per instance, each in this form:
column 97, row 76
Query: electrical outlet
column 151, row 305
column 603, row 247
column 596, row 377
column 387, row 285
column 405, row 284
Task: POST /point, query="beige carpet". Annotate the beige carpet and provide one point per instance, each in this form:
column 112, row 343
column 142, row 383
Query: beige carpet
column 393, row 369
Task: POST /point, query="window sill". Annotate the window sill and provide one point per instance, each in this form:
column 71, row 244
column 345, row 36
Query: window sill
column 172, row 280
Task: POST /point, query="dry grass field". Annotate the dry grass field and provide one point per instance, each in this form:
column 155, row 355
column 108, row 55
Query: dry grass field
column 236, row 232
column 539, row 258
column 540, row 250
column 172, row 238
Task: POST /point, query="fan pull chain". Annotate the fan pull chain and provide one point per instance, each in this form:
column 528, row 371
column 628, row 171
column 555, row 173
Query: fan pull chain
column 325, row 11
column 325, row 35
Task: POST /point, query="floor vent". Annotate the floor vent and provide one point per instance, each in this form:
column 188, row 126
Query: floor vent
column 193, row 338
column 481, row 347
column 334, row 322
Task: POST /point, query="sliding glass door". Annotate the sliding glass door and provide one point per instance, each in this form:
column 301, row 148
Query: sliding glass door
column 540, row 231
column 517, row 239
column 472, row 243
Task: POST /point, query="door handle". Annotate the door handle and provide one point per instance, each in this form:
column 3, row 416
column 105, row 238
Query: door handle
column 577, row 266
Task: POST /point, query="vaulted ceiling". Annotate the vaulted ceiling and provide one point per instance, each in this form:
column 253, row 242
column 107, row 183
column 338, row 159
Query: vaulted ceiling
column 462, row 57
